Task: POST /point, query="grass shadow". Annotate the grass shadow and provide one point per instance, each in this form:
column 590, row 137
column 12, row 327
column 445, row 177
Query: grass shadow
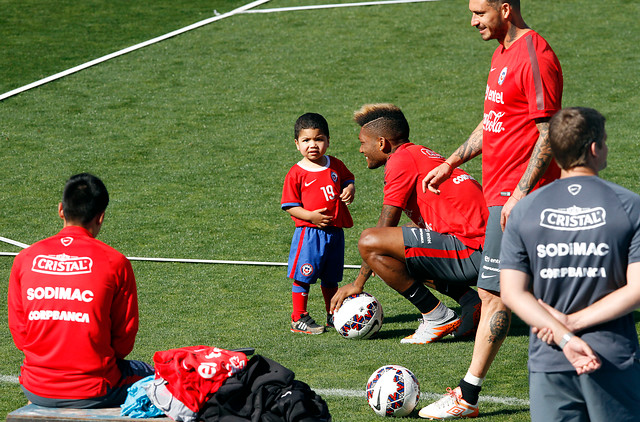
column 401, row 318
column 518, row 327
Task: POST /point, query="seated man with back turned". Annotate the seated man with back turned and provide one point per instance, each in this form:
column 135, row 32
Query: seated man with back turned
column 73, row 309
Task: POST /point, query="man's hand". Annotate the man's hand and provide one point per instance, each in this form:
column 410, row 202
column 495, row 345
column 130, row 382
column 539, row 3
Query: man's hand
column 343, row 293
column 435, row 177
column 506, row 209
column 581, row 356
column 546, row 334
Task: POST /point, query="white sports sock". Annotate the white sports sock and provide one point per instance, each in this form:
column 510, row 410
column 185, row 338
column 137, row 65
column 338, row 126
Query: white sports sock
column 473, row 380
column 439, row 313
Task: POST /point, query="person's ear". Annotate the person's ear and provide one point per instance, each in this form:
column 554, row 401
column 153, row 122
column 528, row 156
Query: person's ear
column 506, row 10
column 385, row 145
column 60, row 210
column 100, row 218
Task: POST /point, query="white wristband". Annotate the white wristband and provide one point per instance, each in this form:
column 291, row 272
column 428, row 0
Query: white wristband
column 565, row 339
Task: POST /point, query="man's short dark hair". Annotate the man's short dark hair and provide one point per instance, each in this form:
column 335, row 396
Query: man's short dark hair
column 496, row 3
column 571, row 133
column 311, row 121
column 84, row 198
column 386, row 120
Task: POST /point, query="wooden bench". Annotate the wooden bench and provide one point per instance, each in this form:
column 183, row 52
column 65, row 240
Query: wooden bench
column 32, row 412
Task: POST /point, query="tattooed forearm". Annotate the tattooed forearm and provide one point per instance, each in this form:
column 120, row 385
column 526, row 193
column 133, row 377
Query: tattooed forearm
column 389, row 216
column 365, row 270
column 499, row 325
column 539, row 161
column 472, row 146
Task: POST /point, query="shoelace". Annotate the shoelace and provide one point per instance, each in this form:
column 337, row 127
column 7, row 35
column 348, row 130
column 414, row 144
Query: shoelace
column 451, row 395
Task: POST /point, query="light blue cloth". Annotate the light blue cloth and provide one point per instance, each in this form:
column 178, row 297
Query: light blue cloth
column 137, row 403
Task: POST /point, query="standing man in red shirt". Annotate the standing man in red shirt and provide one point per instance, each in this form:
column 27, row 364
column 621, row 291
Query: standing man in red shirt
column 73, row 309
column 444, row 245
column 524, row 90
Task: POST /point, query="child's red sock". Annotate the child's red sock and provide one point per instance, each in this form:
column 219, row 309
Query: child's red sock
column 299, row 296
column 328, row 293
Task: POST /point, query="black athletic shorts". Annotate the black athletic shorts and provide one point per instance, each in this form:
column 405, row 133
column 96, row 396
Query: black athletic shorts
column 435, row 256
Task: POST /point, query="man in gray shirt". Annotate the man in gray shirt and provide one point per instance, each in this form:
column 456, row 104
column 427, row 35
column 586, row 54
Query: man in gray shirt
column 570, row 268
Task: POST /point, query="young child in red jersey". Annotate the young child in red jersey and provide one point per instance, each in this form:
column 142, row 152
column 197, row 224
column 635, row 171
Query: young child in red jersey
column 316, row 192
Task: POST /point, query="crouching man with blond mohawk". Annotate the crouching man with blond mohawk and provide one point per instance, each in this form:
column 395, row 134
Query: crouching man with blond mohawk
column 444, row 245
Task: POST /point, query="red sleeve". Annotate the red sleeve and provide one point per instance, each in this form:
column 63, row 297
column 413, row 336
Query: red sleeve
column 400, row 180
column 345, row 175
column 17, row 317
column 291, row 190
column 542, row 82
column 124, row 311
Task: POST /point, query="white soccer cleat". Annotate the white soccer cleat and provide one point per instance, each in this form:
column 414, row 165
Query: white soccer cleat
column 429, row 331
column 450, row 406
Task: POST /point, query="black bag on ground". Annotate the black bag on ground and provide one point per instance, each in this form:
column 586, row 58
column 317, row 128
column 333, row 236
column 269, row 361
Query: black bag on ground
column 265, row 392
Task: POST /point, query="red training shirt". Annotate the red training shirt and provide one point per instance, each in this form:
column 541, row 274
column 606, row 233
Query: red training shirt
column 460, row 208
column 314, row 189
column 73, row 310
column 524, row 84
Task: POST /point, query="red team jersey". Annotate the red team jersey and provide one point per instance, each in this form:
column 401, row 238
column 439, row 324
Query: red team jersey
column 525, row 83
column 314, row 189
column 460, row 208
column 73, row 309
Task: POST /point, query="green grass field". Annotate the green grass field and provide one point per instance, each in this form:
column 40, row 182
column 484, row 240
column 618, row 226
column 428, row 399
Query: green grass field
column 193, row 137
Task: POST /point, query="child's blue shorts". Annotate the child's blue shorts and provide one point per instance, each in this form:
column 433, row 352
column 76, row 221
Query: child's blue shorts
column 317, row 254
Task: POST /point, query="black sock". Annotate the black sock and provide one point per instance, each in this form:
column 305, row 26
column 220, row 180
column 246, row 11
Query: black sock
column 421, row 297
column 453, row 290
column 470, row 392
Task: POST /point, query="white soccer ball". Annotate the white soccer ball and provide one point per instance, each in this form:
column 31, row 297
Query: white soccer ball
column 393, row 390
column 360, row 316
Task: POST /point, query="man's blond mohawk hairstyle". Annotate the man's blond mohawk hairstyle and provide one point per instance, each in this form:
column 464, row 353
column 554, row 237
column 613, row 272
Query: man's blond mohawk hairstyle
column 384, row 118
column 370, row 112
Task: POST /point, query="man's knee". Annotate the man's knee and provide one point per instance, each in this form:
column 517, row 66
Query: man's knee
column 369, row 242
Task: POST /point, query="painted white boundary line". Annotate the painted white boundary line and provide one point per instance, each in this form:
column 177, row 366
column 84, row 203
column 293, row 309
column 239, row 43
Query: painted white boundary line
column 130, row 49
column 339, row 392
column 13, row 242
column 240, row 10
column 332, row 6
column 10, row 379
column 180, row 260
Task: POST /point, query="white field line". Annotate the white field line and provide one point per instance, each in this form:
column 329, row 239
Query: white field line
column 9, row 379
column 13, row 242
column 130, row 49
column 333, row 6
column 243, row 9
column 339, row 392
column 424, row 395
column 180, row 260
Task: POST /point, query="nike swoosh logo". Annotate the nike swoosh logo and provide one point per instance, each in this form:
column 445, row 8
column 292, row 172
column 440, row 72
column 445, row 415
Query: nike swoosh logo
column 488, row 276
column 415, row 233
column 377, row 405
column 308, row 184
column 493, row 68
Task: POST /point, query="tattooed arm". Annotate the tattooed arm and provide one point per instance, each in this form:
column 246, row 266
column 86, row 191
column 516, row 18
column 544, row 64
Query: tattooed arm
column 389, row 217
column 465, row 152
column 538, row 164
